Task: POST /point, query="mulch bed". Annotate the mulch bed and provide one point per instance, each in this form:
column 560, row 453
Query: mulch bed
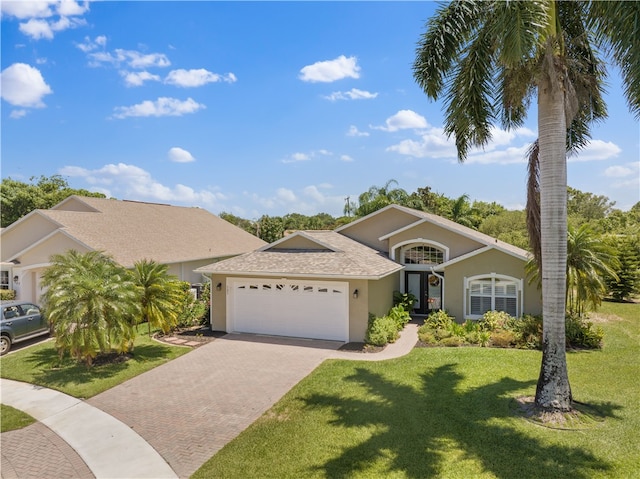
column 360, row 348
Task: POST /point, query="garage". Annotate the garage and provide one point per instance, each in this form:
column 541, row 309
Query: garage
column 296, row 308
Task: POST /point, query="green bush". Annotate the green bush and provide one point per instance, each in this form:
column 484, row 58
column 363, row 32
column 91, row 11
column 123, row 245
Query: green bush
column 439, row 319
column 399, row 316
column 529, row 331
column 581, row 334
column 453, row 341
column 193, row 311
column 381, row 331
column 405, row 300
column 494, row 320
column 503, row 339
column 7, row 294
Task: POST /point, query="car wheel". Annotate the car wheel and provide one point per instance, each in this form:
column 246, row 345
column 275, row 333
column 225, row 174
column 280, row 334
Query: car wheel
column 5, row 344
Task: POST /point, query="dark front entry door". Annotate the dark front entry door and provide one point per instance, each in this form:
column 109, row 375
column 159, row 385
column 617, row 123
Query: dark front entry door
column 427, row 288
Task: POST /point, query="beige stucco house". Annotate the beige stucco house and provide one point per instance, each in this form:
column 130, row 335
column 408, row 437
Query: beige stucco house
column 324, row 284
column 183, row 238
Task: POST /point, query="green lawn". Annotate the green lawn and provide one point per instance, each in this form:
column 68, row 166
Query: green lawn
column 40, row 365
column 11, row 418
column 448, row 413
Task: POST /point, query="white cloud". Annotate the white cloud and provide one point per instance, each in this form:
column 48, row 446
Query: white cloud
column 309, row 200
column 433, row 143
column 331, row 70
column 45, row 18
column 23, row 85
column 297, row 157
column 178, row 155
column 286, row 195
column 134, row 183
column 161, row 107
column 353, row 131
column 196, row 78
column 403, row 120
column 596, row 150
column 353, row 94
column 618, row 171
column 138, row 78
column 30, row 9
column 17, row 114
column 132, row 58
column 627, row 176
column 90, row 45
column 346, row 158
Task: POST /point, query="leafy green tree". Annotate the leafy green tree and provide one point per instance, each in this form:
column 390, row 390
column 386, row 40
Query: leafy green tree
column 91, row 303
column 585, row 207
column 18, row 199
column 625, row 283
column 161, row 295
column 509, row 226
column 589, row 262
column 490, row 58
column 270, row 228
column 435, row 203
column 462, row 213
column 247, row 225
column 377, row 197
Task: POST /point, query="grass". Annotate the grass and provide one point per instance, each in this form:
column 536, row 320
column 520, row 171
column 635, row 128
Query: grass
column 449, row 413
column 11, row 418
column 40, row 365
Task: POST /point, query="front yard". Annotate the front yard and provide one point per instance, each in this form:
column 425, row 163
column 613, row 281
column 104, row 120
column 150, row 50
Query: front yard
column 40, row 365
column 449, row 413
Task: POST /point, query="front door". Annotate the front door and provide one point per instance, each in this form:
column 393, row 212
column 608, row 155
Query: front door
column 427, row 288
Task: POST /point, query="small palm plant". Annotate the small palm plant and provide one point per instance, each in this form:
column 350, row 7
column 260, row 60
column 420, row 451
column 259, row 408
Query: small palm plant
column 91, row 303
column 162, row 295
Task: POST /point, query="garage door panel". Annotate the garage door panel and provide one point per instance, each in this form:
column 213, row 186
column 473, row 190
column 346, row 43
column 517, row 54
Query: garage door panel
column 310, row 309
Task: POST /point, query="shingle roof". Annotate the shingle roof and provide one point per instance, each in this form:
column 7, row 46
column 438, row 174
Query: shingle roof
column 349, row 259
column 131, row 231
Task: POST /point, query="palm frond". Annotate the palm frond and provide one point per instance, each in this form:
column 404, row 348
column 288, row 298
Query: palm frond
column 533, row 204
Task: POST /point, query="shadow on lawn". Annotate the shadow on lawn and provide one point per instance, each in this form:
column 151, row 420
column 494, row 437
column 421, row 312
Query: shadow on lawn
column 57, row 373
column 415, row 428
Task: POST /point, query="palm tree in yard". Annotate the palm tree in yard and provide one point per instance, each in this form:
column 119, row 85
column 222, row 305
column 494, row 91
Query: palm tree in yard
column 490, row 59
column 91, row 304
column 162, row 295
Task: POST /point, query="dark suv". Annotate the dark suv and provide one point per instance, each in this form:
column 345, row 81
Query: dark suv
column 20, row 321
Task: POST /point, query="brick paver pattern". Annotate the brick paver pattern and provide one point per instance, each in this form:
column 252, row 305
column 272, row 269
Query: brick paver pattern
column 190, row 408
column 37, row 452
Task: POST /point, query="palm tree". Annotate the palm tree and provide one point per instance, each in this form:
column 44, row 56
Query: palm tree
column 91, row 303
column 462, row 213
column 161, row 295
column 377, row 197
column 491, row 58
column 589, row 262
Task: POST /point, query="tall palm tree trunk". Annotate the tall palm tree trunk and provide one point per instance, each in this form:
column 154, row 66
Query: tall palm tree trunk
column 553, row 391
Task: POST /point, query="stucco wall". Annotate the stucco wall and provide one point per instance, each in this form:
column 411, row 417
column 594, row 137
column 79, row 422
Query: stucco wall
column 492, row 261
column 23, row 235
column 369, row 230
column 457, row 244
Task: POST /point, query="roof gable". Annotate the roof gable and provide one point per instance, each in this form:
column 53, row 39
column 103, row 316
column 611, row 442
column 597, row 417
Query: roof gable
column 298, row 241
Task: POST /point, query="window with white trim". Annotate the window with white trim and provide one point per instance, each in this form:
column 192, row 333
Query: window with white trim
column 492, row 294
column 4, row 279
column 423, row 254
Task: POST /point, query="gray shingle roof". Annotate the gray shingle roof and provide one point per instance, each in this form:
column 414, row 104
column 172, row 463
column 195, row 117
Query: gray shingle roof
column 349, row 259
column 131, row 231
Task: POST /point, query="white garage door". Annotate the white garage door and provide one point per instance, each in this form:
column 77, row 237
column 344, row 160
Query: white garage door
column 304, row 309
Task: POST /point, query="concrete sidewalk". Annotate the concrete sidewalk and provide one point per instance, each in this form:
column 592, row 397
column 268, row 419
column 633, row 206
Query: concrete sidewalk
column 107, row 446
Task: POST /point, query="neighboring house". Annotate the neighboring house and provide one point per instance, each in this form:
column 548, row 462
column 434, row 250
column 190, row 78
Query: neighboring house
column 324, row 284
column 181, row 237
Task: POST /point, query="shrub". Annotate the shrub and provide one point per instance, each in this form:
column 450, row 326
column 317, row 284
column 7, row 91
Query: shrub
column 7, row 294
column 581, row 334
column 493, row 320
column 452, row 341
column 503, row 339
column 405, row 300
column 427, row 337
column 439, row 319
column 381, row 331
column 399, row 316
column 529, row 331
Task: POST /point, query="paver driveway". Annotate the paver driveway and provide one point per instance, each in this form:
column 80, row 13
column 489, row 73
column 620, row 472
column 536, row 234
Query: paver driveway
column 191, row 407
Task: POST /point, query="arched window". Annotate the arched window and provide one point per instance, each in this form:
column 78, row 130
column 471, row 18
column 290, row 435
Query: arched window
column 423, row 254
column 492, row 293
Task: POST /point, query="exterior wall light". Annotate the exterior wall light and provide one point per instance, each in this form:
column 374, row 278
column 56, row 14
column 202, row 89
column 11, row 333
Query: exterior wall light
column 218, row 286
column 355, row 294
column 16, row 279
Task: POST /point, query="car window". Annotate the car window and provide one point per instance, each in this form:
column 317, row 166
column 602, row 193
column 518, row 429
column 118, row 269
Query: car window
column 11, row 312
column 29, row 309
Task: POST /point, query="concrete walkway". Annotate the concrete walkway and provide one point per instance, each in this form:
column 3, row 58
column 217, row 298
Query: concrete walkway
column 168, row 421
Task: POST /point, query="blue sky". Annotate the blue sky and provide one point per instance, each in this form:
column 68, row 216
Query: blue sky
column 256, row 108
